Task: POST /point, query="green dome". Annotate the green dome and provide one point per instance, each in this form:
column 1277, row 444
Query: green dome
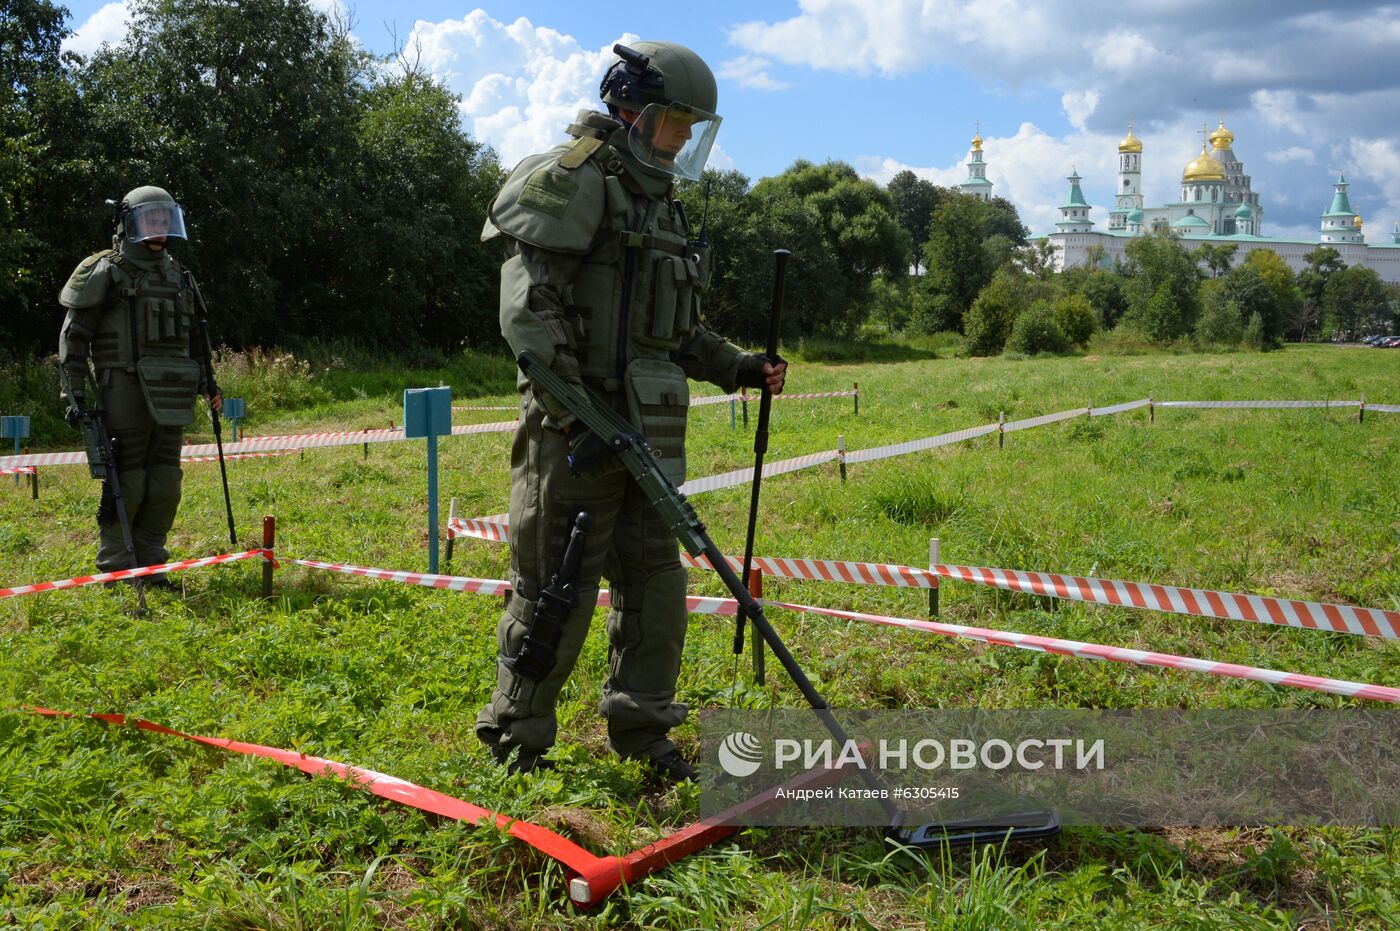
column 1135, row 215
column 1190, row 221
column 1244, row 212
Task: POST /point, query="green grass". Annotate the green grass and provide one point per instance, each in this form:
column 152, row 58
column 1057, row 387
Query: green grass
column 112, row 827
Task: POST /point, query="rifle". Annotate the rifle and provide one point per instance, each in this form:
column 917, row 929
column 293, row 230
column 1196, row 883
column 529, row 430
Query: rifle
column 536, row 657
column 207, row 360
column 629, row 445
column 102, row 461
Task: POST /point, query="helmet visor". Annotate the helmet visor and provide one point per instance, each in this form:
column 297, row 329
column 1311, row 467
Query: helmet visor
column 674, row 138
column 154, row 220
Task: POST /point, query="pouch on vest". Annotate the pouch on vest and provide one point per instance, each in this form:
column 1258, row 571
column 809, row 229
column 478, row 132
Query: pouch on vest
column 658, row 397
column 670, row 304
column 170, row 386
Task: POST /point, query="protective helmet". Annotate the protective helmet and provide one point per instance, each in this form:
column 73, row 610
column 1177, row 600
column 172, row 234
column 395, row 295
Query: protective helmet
column 674, row 91
column 150, row 213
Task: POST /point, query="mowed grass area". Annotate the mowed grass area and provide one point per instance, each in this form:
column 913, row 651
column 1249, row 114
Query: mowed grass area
column 113, row 827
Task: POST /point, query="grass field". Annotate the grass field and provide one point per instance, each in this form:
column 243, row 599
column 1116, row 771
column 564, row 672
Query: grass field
column 111, row 827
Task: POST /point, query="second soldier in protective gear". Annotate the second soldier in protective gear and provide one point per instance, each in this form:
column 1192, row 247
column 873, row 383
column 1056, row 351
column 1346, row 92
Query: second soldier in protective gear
column 602, row 282
column 131, row 314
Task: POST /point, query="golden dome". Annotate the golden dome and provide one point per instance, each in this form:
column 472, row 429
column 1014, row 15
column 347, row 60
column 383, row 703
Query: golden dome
column 1130, row 142
column 1203, row 168
column 1356, row 221
column 1222, row 138
column 977, row 143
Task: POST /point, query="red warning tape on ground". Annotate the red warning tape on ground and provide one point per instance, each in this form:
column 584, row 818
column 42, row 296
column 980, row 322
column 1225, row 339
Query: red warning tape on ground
column 1118, row 654
column 18, row 470
column 136, row 573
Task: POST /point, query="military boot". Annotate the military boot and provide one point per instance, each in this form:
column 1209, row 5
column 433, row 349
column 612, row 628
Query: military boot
column 671, row 768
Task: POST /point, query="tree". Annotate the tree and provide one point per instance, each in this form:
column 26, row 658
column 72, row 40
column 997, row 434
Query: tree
column 1104, row 292
column 1161, row 280
column 1075, row 317
column 31, row 72
column 1356, row 301
column 1217, row 258
column 857, row 237
column 958, row 261
column 914, row 202
column 326, row 197
column 1322, row 263
column 1244, row 289
column 1220, row 323
column 989, row 320
column 1278, row 279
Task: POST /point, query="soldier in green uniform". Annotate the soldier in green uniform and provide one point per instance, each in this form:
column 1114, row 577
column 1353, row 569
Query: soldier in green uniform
column 131, row 312
column 602, row 281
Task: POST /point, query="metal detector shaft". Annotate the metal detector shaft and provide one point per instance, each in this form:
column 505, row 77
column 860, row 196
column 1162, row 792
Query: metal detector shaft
column 214, row 414
column 636, row 454
column 760, row 449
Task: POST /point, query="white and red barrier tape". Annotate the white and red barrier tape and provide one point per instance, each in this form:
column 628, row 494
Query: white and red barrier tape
column 352, row 437
column 1119, row 654
column 744, row 476
column 268, row 455
column 263, row 443
column 700, row 401
column 486, row 407
column 135, row 573
column 18, row 470
column 919, row 579
column 1169, row 599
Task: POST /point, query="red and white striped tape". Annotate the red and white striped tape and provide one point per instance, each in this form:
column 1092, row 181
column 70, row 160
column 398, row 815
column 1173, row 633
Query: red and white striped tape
column 297, row 441
column 1169, row 599
column 1119, row 408
column 1043, row 420
column 486, row 407
column 135, row 573
column 744, row 476
column 1119, row 654
column 914, row 446
column 695, row 604
column 18, row 470
column 700, row 401
column 227, row 455
column 727, row 606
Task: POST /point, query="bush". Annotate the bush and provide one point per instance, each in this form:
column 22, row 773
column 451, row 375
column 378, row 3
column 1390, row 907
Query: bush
column 268, row 379
column 1220, row 323
column 1255, row 335
column 1076, row 318
column 987, row 324
column 1036, row 331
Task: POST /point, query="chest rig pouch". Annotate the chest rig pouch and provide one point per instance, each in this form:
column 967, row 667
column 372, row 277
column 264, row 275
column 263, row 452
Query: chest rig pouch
column 155, row 314
column 658, row 397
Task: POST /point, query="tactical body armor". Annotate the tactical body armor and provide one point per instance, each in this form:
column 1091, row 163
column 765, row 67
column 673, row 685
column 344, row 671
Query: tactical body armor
column 602, row 283
column 131, row 313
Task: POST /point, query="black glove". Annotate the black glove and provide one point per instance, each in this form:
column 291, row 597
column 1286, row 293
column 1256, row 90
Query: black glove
column 586, row 449
column 751, row 370
column 72, row 412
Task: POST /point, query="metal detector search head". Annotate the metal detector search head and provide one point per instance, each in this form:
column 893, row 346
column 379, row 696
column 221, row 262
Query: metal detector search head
column 1026, row 826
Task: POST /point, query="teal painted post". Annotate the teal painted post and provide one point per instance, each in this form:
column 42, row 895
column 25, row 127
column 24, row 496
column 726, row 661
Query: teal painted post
column 234, row 410
column 427, row 414
column 16, row 428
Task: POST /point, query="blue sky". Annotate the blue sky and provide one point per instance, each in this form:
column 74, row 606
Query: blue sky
column 1308, row 88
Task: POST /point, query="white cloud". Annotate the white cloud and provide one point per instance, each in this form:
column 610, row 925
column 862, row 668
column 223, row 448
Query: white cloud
column 1125, row 52
column 751, row 72
column 1380, row 159
column 1294, row 153
column 1079, row 106
column 521, row 84
column 107, row 25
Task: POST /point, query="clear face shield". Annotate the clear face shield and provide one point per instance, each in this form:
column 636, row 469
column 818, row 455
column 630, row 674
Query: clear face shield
column 674, row 138
column 154, row 220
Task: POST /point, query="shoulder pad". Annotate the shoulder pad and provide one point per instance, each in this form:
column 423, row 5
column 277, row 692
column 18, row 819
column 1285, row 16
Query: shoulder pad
column 550, row 207
column 87, row 286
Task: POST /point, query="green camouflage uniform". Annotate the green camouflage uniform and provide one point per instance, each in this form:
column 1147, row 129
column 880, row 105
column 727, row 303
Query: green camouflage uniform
column 131, row 313
column 580, row 222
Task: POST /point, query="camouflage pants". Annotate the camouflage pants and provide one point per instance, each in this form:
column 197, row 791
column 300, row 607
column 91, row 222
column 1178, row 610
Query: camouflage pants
column 636, row 551
column 148, row 466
